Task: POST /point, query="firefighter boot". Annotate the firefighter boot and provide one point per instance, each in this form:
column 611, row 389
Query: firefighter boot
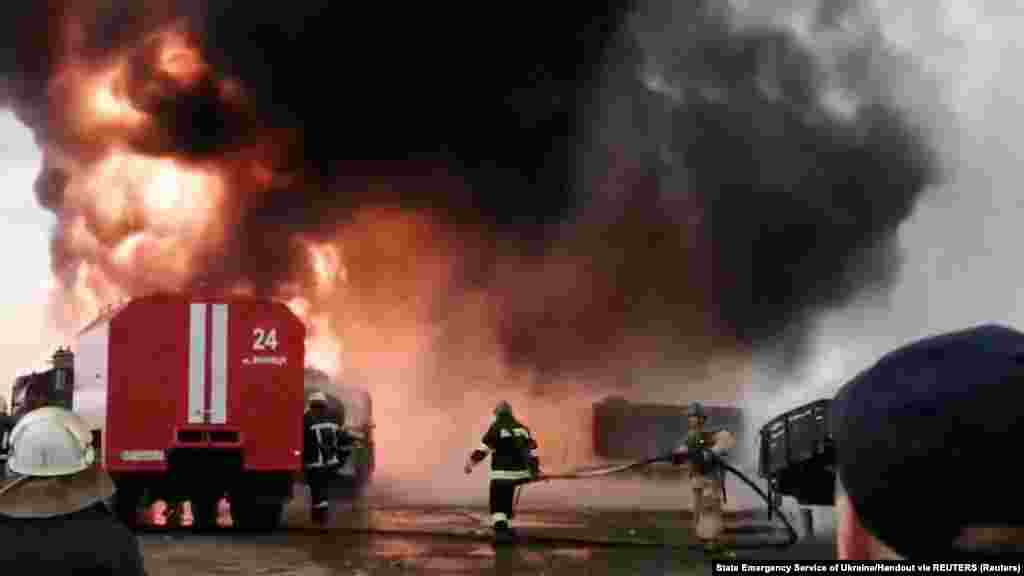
column 320, row 513
column 717, row 551
column 503, row 533
column 185, row 517
column 224, row 518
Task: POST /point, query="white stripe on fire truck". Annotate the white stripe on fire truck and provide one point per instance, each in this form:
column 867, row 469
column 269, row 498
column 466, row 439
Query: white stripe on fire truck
column 196, row 363
column 219, row 368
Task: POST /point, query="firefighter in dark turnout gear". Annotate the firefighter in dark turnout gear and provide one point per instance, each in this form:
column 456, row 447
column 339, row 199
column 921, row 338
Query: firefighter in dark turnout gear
column 511, row 447
column 324, row 443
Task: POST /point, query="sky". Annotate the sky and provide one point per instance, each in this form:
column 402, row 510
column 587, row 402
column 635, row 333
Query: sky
column 25, row 338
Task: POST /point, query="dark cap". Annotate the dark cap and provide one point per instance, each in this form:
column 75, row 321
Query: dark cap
column 923, row 439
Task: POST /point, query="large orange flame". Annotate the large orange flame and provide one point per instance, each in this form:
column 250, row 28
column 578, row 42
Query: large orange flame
column 369, row 293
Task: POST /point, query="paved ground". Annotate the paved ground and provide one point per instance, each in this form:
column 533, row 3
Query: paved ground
column 334, row 553
column 371, row 538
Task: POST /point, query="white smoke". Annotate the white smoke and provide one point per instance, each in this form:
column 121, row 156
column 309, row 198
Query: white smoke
column 960, row 246
column 28, row 340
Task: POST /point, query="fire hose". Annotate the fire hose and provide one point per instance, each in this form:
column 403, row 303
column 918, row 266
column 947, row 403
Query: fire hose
column 714, row 458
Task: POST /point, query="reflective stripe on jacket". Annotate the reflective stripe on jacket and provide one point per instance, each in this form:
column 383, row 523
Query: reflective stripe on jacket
column 509, row 444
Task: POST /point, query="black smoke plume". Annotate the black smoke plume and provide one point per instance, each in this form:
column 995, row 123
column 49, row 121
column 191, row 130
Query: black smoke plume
column 686, row 166
column 792, row 165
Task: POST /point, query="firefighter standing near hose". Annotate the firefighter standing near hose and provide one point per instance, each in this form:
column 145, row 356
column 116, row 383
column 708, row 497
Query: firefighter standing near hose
column 510, row 446
column 323, row 452
column 702, row 450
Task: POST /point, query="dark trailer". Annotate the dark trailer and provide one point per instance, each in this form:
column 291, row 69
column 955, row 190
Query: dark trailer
column 798, row 454
column 625, row 430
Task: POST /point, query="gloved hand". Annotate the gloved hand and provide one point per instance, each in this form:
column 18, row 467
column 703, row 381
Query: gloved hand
column 699, row 459
column 680, row 458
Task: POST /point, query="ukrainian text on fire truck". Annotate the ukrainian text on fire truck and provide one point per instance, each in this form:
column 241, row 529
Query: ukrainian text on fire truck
column 841, row 566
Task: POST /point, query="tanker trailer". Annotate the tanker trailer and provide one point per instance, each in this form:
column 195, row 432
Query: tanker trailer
column 196, row 398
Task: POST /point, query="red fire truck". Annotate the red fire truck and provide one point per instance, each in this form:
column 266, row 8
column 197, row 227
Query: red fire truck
column 196, row 398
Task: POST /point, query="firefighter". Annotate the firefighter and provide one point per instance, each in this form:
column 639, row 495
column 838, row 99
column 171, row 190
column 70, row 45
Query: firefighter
column 701, row 450
column 323, row 452
column 511, row 447
column 53, row 514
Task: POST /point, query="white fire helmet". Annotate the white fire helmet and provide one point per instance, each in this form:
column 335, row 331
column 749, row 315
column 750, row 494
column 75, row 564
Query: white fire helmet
column 53, row 463
column 50, row 441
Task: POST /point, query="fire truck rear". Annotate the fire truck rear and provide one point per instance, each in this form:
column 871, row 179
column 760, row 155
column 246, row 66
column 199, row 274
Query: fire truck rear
column 196, row 399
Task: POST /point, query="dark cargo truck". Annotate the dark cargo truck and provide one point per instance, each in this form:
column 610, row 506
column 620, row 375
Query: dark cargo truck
column 797, row 455
column 627, row 431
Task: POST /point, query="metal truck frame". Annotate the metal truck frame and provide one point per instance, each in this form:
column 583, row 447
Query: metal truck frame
column 798, row 455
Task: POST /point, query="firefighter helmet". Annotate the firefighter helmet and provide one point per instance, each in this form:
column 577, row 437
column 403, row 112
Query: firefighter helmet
column 318, row 397
column 696, row 410
column 53, row 458
column 503, row 407
column 50, row 441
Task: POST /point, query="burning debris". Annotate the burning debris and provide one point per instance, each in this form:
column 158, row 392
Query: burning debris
column 456, row 208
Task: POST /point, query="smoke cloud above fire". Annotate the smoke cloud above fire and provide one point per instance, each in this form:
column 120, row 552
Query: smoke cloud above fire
column 959, row 246
column 465, row 205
